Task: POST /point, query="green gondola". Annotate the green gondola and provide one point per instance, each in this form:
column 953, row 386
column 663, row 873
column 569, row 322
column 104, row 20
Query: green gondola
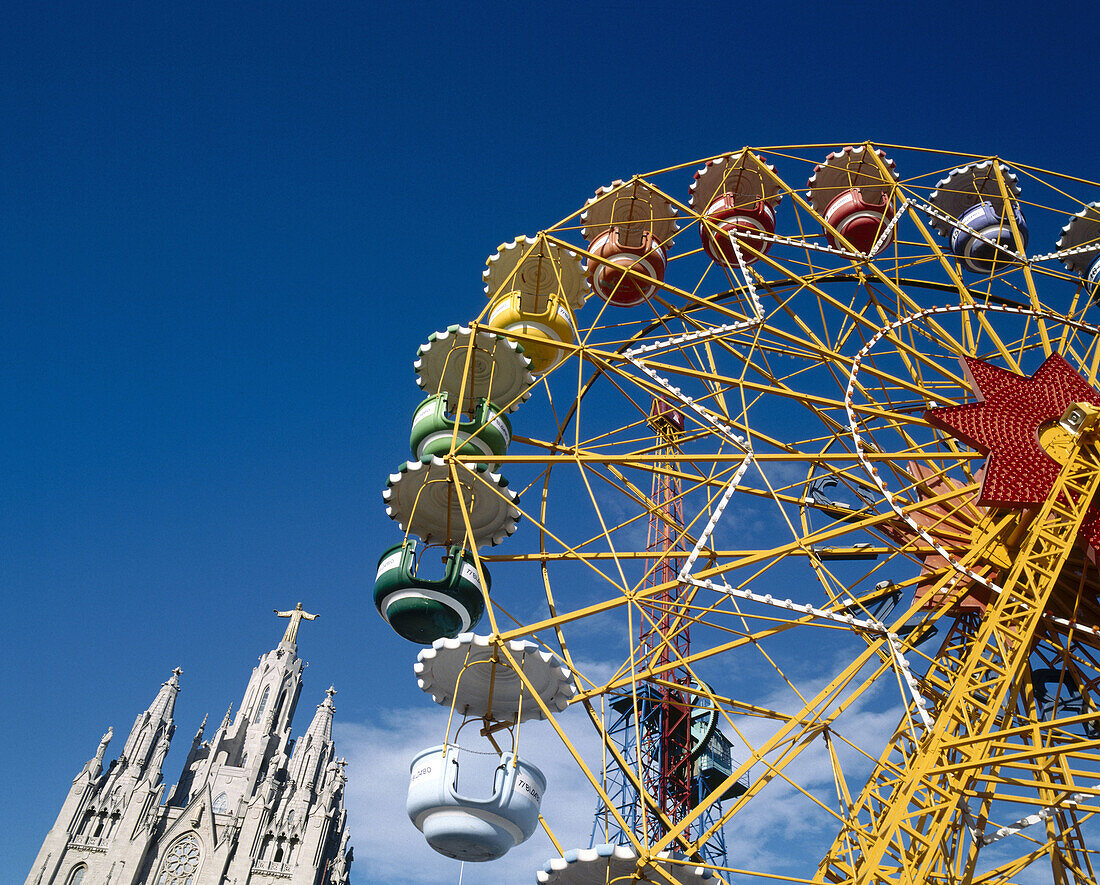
column 421, row 610
column 487, row 431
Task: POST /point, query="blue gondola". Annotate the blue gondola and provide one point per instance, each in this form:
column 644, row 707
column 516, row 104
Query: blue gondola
column 984, row 238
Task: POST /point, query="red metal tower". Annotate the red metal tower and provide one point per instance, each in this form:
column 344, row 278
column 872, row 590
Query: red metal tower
column 665, row 640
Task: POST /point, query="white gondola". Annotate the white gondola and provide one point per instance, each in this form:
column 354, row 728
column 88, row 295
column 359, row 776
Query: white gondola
column 462, row 673
column 1081, row 239
column 617, row 863
column 465, row 827
column 426, row 502
column 470, row 675
column 499, row 371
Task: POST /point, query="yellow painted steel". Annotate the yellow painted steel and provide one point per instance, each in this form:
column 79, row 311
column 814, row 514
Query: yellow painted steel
column 911, row 802
column 813, row 489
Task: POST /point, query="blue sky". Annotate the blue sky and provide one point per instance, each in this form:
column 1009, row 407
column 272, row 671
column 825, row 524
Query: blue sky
column 225, row 228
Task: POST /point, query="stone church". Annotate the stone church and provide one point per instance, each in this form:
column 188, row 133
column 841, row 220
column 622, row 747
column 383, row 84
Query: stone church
column 252, row 806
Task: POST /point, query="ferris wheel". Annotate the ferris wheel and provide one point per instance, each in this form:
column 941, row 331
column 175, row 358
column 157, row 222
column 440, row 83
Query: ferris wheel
column 778, row 467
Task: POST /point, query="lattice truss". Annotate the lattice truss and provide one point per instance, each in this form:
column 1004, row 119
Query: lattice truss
column 907, row 667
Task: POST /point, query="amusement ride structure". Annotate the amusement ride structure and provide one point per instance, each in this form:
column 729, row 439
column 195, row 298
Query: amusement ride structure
column 802, row 447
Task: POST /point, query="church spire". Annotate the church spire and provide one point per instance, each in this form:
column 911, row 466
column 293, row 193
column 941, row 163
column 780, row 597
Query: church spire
column 245, row 803
column 153, row 729
column 314, row 750
column 246, row 742
column 320, row 729
column 165, row 701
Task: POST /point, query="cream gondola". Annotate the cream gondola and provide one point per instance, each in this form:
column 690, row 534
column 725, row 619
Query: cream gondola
column 533, row 287
column 629, row 228
column 618, row 863
column 981, row 236
column 852, row 191
column 470, row 675
column 493, row 691
column 736, row 197
column 498, row 369
column 1081, row 240
column 425, row 501
column 424, row 610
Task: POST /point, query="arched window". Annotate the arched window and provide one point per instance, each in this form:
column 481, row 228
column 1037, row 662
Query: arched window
column 279, row 706
column 262, row 704
column 221, row 804
column 182, row 862
column 278, row 858
column 77, row 875
column 290, row 818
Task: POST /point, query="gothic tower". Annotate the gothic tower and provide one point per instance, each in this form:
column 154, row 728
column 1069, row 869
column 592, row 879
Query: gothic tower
column 252, row 806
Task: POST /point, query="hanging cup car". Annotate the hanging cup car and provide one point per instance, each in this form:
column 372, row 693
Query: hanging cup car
column 1081, row 241
column 628, row 227
column 477, row 677
column 982, row 237
column 534, row 286
column 464, row 827
column 852, row 191
column 547, row 319
column 423, row 610
column 487, row 431
column 736, row 198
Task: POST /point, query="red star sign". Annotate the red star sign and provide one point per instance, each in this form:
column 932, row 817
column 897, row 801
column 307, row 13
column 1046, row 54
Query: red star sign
column 1004, row 424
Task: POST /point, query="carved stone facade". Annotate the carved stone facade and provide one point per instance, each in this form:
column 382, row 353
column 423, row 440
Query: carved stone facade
column 252, row 806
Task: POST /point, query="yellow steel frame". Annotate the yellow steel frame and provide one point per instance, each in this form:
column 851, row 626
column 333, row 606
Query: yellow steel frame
column 780, row 365
column 911, row 803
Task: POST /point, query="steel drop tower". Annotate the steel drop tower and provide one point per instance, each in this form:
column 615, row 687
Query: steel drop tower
column 660, row 746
